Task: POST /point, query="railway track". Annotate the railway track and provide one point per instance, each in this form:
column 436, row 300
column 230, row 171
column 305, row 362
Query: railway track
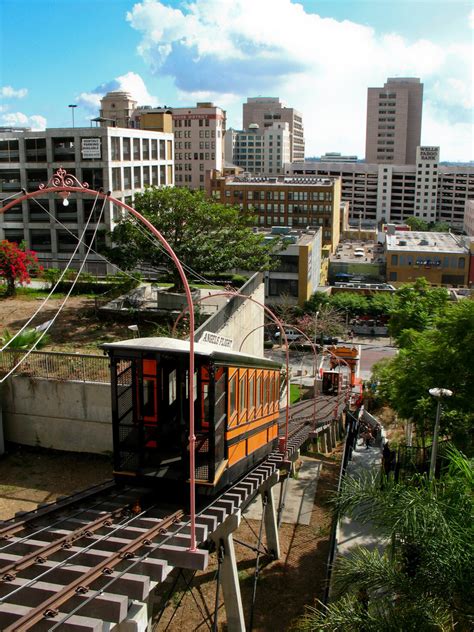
column 76, row 563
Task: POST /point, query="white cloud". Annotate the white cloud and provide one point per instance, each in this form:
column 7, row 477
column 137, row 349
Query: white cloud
column 18, row 119
column 470, row 19
column 130, row 82
column 8, row 92
column 232, row 49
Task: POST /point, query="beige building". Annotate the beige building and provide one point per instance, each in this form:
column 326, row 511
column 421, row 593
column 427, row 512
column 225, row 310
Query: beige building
column 392, row 193
column 123, row 161
column 442, row 258
column 394, row 121
column 282, row 201
column 264, row 111
column 117, row 108
column 199, row 140
column 259, row 150
column 469, row 218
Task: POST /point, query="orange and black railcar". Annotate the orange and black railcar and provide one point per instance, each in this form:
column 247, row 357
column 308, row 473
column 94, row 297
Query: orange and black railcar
column 236, row 408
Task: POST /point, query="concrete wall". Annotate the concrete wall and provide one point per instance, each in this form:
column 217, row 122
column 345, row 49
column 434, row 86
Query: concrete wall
column 247, row 317
column 73, row 416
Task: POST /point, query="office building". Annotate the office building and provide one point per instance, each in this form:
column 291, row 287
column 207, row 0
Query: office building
column 469, row 218
column 283, row 201
column 118, row 159
column 264, row 111
column 392, row 193
column 199, row 140
column 116, row 109
column 297, row 273
column 394, row 121
column 442, row 258
column 259, row 150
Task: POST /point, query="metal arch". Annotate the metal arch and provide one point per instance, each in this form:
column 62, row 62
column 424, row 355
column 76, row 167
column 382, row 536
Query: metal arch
column 57, row 185
column 313, row 347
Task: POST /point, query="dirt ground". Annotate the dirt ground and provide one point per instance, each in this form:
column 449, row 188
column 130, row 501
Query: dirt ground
column 29, row 476
column 77, row 329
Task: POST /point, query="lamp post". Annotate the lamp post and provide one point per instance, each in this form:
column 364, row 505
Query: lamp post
column 72, row 106
column 437, row 393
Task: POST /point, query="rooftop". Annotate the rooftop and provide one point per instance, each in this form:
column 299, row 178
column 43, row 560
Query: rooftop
column 359, row 251
column 280, row 180
column 422, row 241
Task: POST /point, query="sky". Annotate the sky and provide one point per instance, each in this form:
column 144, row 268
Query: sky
column 317, row 56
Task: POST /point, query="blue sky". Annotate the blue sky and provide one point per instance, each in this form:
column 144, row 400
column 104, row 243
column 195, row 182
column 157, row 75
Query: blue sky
column 318, row 56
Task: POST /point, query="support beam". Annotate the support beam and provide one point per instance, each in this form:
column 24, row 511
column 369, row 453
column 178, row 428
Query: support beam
column 323, row 448
column 271, row 526
column 229, row 575
column 334, row 433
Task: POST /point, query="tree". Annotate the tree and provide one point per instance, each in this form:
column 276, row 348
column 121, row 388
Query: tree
column 417, row 305
column 440, row 356
column 415, row 223
column 16, row 265
column 423, row 580
column 440, row 227
column 328, row 322
column 382, row 304
column 317, row 300
column 204, row 234
column 25, row 340
column 351, row 303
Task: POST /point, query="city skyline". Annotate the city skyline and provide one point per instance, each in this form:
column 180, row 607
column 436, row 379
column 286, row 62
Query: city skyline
column 318, row 57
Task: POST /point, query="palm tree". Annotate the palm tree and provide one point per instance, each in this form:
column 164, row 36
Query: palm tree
column 423, row 580
column 25, row 340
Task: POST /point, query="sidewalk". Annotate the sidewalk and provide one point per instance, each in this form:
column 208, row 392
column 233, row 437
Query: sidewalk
column 350, row 532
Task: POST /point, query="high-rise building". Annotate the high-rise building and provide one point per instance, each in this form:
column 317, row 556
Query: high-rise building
column 394, row 121
column 123, row 161
column 264, row 111
column 199, row 139
column 259, row 150
column 391, row 193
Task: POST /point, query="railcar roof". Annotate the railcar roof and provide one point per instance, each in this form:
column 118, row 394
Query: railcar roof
column 175, row 345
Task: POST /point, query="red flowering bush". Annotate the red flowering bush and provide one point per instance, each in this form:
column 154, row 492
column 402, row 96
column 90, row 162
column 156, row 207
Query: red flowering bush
column 16, row 264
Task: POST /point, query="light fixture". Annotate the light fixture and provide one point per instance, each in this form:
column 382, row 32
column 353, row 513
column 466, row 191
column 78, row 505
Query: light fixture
column 64, row 195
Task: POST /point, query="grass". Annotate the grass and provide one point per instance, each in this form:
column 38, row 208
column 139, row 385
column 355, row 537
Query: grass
column 295, row 393
column 31, row 294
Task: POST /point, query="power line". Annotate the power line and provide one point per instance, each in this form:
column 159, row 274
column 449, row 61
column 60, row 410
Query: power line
column 51, row 322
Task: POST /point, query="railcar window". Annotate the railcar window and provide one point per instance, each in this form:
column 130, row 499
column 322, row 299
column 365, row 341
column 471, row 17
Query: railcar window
column 172, row 386
column 259, row 391
column 243, row 396
column 251, row 393
column 205, row 400
column 148, row 398
column 271, row 390
column 277, row 388
column 232, row 396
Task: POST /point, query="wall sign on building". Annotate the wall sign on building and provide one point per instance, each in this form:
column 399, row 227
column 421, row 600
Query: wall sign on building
column 90, row 148
column 429, row 153
column 216, row 340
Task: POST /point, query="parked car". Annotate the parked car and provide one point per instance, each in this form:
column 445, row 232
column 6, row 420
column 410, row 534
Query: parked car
column 291, row 335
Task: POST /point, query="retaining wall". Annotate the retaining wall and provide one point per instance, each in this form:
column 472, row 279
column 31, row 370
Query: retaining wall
column 74, row 416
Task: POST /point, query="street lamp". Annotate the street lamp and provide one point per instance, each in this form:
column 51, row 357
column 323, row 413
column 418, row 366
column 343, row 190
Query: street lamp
column 72, row 106
column 437, row 393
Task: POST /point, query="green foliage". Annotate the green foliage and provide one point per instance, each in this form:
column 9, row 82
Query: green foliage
column 423, row 580
column 352, row 302
column 440, row 227
column 204, row 234
column 51, row 275
column 314, row 304
column 441, row 356
column 417, row 306
column 25, row 340
column 415, row 223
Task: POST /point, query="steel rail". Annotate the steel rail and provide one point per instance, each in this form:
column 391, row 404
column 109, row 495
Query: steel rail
column 41, row 554
column 48, row 607
column 12, row 528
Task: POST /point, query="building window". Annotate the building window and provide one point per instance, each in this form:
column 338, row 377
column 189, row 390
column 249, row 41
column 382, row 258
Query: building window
column 394, row 260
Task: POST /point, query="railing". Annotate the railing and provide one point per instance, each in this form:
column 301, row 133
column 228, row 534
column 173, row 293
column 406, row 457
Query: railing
column 53, row 365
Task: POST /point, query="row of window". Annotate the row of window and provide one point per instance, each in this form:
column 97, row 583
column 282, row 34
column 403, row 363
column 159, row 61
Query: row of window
column 140, row 177
column 42, row 240
column 141, row 149
column 253, row 393
column 445, row 262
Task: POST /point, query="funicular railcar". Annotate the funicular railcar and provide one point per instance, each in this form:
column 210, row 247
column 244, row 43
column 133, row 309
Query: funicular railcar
column 236, row 407
column 331, row 382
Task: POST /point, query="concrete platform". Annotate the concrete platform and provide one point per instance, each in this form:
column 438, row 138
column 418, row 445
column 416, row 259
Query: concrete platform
column 300, row 495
